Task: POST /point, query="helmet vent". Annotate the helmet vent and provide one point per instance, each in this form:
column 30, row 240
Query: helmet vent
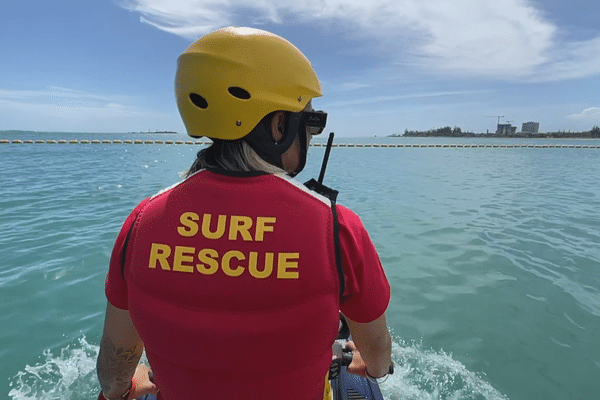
column 239, row 93
column 199, row 101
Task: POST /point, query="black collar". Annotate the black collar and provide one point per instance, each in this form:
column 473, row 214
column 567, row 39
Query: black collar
column 237, row 174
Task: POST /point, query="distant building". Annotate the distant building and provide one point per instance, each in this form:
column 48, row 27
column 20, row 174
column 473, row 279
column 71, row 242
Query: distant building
column 506, row 129
column 531, row 127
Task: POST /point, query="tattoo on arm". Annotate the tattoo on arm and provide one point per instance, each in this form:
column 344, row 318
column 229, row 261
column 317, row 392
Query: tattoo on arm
column 116, row 367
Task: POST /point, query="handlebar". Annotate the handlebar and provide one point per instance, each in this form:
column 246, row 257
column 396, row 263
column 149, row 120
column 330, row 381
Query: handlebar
column 342, row 357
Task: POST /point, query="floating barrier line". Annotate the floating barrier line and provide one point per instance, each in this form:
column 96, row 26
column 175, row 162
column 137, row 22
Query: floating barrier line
column 201, row 142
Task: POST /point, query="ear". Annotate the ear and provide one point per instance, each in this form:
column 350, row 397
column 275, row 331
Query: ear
column 277, row 125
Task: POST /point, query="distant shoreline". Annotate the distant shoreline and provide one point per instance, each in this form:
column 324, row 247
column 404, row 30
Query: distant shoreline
column 552, row 135
column 14, row 131
column 170, row 132
column 457, row 132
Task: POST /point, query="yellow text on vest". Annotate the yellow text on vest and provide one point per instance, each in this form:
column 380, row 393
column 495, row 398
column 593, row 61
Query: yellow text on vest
column 232, row 263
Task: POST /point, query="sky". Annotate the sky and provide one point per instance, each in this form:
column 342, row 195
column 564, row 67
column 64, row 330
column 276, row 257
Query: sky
column 384, row 66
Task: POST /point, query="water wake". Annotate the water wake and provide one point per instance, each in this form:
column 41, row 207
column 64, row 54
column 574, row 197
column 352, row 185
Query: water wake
column 70, row 375
column 420, row 374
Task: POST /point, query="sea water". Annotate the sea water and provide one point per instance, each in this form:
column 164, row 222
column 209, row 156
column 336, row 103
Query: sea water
column 492, row 253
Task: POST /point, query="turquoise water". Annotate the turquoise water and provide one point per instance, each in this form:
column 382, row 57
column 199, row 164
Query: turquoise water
column 492, row 254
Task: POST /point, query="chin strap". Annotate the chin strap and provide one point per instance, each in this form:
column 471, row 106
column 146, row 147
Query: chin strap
column 303, row 144
column 262, row 142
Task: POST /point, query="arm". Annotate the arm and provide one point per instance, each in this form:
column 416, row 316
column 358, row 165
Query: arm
column 367, row 296
column 120, row 352
column 374, row 345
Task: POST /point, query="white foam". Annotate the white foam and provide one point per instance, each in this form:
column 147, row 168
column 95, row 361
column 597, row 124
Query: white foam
column 422, row 374
column 71, row 375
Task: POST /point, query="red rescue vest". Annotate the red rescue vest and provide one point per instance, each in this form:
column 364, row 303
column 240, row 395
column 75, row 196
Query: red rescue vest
column 232, row 285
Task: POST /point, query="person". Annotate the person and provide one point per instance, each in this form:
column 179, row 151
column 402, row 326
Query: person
column 233, row 279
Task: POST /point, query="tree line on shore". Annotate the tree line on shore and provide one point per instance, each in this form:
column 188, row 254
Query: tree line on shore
column 447, row 131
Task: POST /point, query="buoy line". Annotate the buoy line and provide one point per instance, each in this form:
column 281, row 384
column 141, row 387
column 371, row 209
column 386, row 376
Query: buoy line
column 202, row 142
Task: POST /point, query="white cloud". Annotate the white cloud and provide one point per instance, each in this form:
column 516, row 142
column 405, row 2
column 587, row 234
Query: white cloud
column 55, row 94
column 396, row 98
column 571, row 61
column 509, row 39
column 589, row 114
column 351, row 86
column 59, row 108
column 189, row 18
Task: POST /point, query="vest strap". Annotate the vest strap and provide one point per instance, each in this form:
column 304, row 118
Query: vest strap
column 332, row 194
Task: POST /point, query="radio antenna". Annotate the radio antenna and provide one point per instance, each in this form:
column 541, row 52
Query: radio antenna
column 326, row 157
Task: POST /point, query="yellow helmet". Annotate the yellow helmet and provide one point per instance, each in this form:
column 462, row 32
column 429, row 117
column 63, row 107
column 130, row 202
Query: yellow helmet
column 228, row 80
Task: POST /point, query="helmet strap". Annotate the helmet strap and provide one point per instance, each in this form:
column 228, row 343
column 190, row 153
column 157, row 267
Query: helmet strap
column 261, row 140
column 301, row 132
